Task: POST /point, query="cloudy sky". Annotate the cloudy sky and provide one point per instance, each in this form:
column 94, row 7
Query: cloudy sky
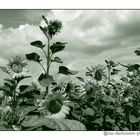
column 92, row 36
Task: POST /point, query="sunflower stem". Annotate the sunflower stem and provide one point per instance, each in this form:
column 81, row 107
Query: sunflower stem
column 48, row 61
column 109, row 75
column 43, row 68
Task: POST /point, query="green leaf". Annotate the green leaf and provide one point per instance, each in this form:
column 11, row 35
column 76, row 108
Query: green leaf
column 125, row 129
column 120, row 111
column 27, row 90
column 108, row 119
column 81, row 79
column 56, row 47
column 38, row 44
column 74, row 125
column 99, row 121
column 116, row 128
column 45, row 80
column 4, row 69
column 24, row 110
column 44, row 30
column 57, row 59
column 137, row 52
column 66, row 71
column 20, row 78
column 56, row 124
column 33, row 57
column 44, row 18
column 133, row 119
column 89, row 74
column 115, row 71
column 133, row 67
column 88, row 111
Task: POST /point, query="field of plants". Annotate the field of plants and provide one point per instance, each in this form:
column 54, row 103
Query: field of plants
column 97, row 102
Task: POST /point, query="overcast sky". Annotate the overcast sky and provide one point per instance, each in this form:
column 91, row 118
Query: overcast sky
column 92, row 36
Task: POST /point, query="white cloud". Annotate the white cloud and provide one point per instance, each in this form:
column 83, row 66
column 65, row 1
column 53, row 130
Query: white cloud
column 92, row 36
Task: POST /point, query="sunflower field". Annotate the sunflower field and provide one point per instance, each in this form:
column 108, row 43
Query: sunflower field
column 96, row 103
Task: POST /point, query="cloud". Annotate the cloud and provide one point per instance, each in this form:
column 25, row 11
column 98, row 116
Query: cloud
column 92, row 36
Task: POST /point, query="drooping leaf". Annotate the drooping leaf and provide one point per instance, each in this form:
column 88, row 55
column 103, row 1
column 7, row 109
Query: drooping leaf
column 56, row 124
column 56, row 47
column 81, row 79
column 137, row 52
column 108, row 119
column 88, row 111
column 34, row 57
column 38, row 44
column 66, row 71
column 57, row 59
column 45, row 80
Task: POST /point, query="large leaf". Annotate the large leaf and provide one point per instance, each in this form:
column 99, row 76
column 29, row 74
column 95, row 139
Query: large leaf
column 45, row 80
column 34, row 57
column 24, row 110
column 56, row 124
column 38, row 44
column 66, row 71
column 57, row 59
column 56, row 47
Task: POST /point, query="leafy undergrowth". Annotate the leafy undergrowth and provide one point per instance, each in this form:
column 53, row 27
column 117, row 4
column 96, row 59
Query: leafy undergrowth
column 98, row 102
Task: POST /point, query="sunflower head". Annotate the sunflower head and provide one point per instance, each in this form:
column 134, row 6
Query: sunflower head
column 97, row 72
column 54, row 27
column 16, row 66
column 54, row 103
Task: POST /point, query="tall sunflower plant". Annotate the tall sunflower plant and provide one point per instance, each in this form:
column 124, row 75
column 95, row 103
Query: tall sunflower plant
column 26, row 107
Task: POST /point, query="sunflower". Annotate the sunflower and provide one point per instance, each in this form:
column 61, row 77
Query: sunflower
column 54, row 27
column 16, row 67
column 88, row 88
column 56, row 106
column 97, row 72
